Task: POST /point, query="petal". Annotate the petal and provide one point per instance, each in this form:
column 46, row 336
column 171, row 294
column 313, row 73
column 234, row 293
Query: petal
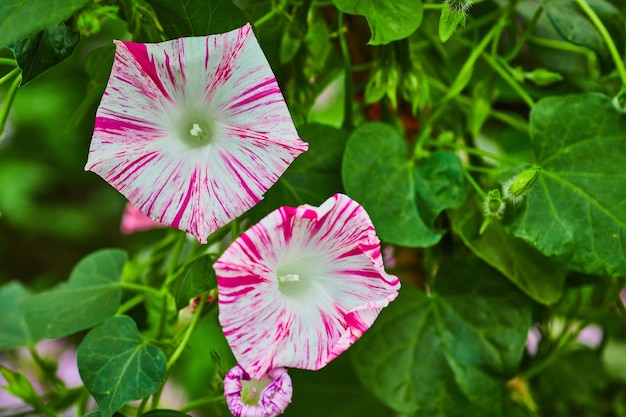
column 158, row 95
column 332, row 255
column 135, row 221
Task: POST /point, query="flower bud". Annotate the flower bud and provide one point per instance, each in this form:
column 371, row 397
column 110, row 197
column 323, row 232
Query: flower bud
column 493, row 205
column 267, row 397
column 515, row 189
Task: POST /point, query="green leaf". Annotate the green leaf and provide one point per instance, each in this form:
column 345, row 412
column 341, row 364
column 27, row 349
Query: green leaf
column 91, row 296
column 576, row 212
column 450, row 353
column 532, row 272
column 571, row 22
column 402, row 198
column 198, row 277
column 333, row 391
column 181, row 18
column 118, row 366
column 164, row 413
column 42, row 50
column 13, row 329
column 448, row 22
column 388, row 20
column 21, row 18
column 572, row 381
column 313, row 177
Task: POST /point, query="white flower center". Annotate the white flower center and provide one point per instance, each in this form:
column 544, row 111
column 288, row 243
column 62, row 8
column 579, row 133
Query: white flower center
column 301, row 277
column 195, row 127
column 251, row 390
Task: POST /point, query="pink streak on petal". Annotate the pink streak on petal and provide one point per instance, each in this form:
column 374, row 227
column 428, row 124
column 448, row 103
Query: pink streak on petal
column 139, row 51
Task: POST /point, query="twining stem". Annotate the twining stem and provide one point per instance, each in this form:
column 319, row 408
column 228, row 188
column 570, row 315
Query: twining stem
column 510, row 80
column 192, row 405
column 276, row 10
column 459, row 83
column 530, row 27
column 348, row 117
column 510, row 119
column 480, row 152
column 192, row 326
column 474, row 184
column 619, row 63
column 592, row 61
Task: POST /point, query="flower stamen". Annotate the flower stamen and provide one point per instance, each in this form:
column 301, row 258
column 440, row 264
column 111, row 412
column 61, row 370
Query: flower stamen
column 195, row 130
column 289, row 278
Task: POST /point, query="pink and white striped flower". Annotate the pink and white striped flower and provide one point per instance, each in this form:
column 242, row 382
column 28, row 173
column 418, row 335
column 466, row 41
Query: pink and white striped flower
column 268, row 396
column 193, row 131
column 301, row 286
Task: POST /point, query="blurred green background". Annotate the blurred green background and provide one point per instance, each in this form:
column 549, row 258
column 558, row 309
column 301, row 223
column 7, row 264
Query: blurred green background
column 52, row 211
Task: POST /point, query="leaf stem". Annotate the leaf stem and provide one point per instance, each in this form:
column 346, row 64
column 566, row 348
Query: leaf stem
column 132, row 302
column 192, row 405
column 619, row 62
column 433, row 6
column 192, row 326
column 8, row 61
column 175, row 257
column 348, row 117
column 131, row 286
column 8, row 102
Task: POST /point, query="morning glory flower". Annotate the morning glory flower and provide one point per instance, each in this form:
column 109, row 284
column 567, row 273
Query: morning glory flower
column 302, row 285
column 266, row 397
column 193, row 131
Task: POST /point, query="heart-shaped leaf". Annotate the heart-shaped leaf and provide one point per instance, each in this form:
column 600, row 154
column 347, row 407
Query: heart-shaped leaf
column 388, row 20
column 576, row 212
column 118, row 366
column 402, row 197
column 197, row 278
column 91, row 295
column 450, row 353
column 21, row 18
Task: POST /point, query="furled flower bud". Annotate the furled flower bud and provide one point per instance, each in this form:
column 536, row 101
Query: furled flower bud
column 515, row 189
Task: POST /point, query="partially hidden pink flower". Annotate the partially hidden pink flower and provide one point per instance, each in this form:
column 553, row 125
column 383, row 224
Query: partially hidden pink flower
column 267, row 396
column 135, row 221
column 193, row 131
column 301, row 286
